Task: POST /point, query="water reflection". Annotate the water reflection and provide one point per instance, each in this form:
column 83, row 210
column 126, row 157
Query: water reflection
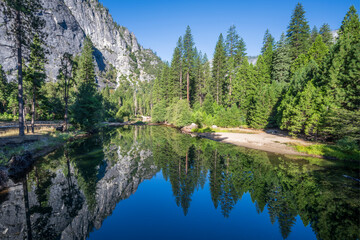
column 69, row 193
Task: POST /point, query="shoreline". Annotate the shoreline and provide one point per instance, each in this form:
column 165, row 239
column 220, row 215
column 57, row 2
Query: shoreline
column 256, row 139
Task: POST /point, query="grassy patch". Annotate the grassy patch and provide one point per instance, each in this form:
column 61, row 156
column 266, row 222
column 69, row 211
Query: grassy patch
column 333, row 151
column 202, row 130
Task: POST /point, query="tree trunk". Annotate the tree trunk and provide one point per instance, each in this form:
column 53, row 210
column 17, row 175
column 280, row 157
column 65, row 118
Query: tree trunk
column 66, row 108
column 188, row 86
column 180, row 84
column 217, row 91
column 33, row 113
column 25, row 123
column 20, row 73
column 230, row 90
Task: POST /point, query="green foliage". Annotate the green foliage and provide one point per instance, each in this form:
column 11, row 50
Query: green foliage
column 182, row 114
column 202, row 130
column 281, row 61
column 298, row 32
column 8, row 95
column 325, row 32
column 86, row 69
column 158, row 113
column 86, row 112
column 219, row 71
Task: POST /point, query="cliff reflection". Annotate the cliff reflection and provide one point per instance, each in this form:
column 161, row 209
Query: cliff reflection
column 69, row 193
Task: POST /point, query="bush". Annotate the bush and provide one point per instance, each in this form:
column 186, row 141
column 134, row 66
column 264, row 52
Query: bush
column 347, row 144
column 8, row 117
column 182, row 114
column 158, row 113
column 202, row 130
column 198, row 118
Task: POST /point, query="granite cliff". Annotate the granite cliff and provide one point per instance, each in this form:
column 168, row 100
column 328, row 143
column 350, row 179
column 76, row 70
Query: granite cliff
column 68, row 22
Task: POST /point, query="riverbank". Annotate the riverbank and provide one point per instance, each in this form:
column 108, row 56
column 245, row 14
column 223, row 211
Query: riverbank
column 274, row 141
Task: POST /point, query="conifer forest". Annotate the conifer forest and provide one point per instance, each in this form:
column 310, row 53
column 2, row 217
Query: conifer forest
column 225, row 145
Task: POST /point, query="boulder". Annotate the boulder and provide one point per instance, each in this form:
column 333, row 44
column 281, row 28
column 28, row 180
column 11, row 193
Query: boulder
column 19, row 164
column 60, row 128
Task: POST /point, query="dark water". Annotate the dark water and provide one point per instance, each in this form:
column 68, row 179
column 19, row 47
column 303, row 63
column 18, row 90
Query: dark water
column 155, row 183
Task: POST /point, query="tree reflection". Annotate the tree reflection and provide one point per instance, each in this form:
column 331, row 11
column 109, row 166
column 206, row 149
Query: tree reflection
column 69, row 182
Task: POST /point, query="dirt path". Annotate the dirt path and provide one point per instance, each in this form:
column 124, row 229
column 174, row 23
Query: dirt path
column 260, row 140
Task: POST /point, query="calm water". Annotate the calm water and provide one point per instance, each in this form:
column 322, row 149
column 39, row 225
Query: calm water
column 155, row 183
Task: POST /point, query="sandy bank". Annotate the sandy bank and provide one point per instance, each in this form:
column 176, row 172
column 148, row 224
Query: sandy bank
column 270, row 142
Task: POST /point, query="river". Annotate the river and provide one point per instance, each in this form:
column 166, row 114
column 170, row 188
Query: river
column 152, row 182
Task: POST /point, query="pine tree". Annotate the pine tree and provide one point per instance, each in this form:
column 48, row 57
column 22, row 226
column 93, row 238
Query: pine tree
column 281, row 61
column 219, row 69
column 240, row 52
column 177, row 71
column 298, row 32
column 26, row 23
column 245, row 85
column 231, row 48
column 340, row 79
column 314, row 34
column 35, row 74
column 188, row 59
column 86, row 67
column 66, row 80
column 267, row 57
column 325, row 32
column 268, row 41
column 86, row 111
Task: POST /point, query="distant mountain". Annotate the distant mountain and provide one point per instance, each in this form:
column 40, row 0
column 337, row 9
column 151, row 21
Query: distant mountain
column 68, row 22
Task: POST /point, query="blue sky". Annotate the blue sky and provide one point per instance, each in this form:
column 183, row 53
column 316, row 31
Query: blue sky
column 157, row 24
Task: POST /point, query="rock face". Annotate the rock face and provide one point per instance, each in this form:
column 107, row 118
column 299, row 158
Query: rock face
column 68, row 22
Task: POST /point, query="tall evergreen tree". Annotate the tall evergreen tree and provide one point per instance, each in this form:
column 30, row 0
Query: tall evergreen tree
column 86, row 111
column 314, row 34
column 219, row 69
column 23, row 23
column 86, row 69
column 325, row 32
column 177, row 71
column 281, row 61
column 298, row 32
column 35, row 74
column 340, row 78
column 66, row 80
column 231, row 48
column 240, row 52
column 188, row 59
column 268, row 41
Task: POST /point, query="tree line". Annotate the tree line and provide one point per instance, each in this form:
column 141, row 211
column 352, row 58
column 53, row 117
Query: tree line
column 306, row 83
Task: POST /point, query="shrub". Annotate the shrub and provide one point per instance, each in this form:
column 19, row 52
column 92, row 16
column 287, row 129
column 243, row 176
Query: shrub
column 182, row 114
column 158, row 113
